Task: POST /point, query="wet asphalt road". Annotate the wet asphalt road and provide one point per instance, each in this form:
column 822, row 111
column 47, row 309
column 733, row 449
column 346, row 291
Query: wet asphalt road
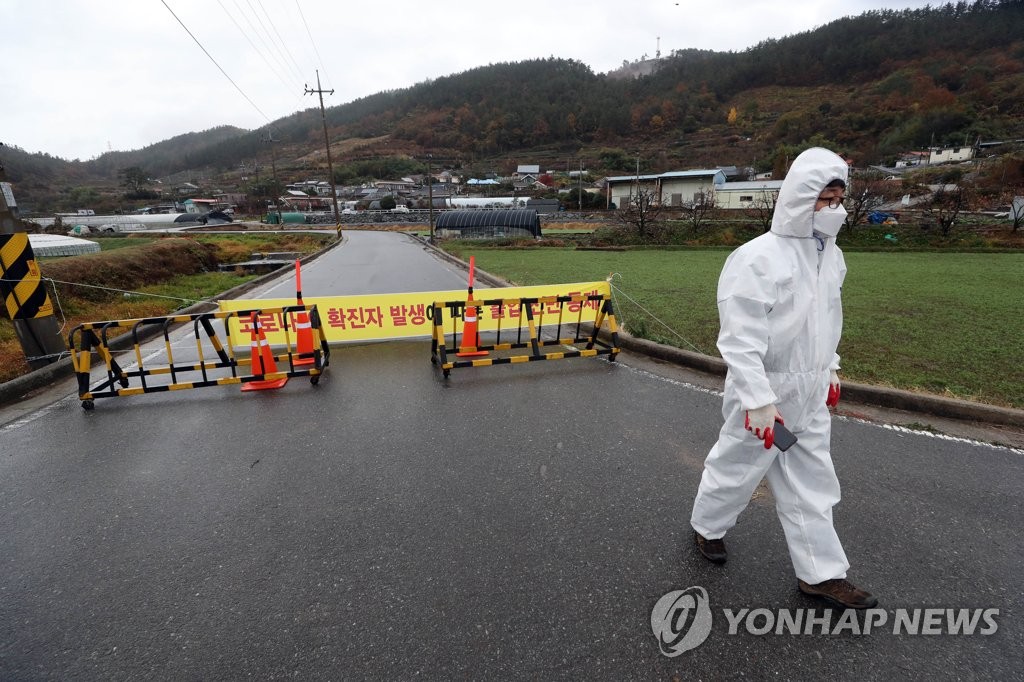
column 512, row 522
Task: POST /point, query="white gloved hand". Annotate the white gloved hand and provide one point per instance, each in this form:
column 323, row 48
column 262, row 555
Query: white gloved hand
column 833, row 389
column 761, row 421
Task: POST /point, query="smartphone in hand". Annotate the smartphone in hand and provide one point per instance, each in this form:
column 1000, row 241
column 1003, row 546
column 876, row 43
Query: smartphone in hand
column 783, row 437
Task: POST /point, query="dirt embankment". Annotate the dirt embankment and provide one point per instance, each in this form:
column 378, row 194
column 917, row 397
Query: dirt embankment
column 130, row 268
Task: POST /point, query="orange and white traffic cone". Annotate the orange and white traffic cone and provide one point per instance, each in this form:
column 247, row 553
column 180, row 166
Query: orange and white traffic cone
column 470, row 342
column 303, row 327
column 262, row 360
column 470, row 334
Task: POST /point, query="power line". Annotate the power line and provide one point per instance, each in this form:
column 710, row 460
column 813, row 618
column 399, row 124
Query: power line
column 259, row 36
column 262, row 37
column 270, row 39
column 312, row 42
column 241, row 92
column 273, row 25
column 277, row 74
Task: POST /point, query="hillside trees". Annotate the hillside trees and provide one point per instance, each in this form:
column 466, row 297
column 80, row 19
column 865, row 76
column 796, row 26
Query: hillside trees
column 81, row 197
column 872, row 86
column 364, row 170
column 616, row 160
column 218, row 146
column 502, row 106
column 136, row 183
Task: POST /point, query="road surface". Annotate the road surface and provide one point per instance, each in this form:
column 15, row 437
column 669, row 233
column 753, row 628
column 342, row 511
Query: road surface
column 511, row 522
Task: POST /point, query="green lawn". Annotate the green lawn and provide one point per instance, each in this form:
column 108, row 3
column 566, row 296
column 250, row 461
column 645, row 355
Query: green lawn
column 944, row 323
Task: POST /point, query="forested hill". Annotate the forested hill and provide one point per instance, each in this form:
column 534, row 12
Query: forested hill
column 870, row 86
column 879, row 83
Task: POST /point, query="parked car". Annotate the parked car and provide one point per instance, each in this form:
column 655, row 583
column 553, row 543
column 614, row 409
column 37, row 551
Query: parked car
column 400, row 209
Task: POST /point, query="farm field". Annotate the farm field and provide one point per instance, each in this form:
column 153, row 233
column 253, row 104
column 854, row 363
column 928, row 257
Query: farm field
column 941, row 323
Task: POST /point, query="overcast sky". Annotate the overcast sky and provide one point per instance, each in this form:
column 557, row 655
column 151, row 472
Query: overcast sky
column 79, row 78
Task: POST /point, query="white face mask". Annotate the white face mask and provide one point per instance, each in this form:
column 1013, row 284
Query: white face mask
column 828, row 221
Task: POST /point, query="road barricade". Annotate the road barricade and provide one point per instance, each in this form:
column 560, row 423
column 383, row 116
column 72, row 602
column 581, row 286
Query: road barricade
column 167, row 375
column 394, row 316
column 529, row 324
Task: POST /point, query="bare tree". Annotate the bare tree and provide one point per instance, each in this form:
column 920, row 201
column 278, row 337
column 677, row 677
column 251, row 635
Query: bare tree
column 763, row 209
column 946, row 204
column 640, row 213
column 863, row 199
column 702, row 210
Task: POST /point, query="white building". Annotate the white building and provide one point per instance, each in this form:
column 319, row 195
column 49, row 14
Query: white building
column 677, row 188
column 743, row 195
column 950, row 154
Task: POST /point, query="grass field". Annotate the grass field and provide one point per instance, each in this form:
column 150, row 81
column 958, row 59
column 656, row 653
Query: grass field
column 943, row 323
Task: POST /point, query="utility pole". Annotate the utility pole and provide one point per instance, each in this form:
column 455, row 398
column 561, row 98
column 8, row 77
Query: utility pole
column 327, row 141
column 580, row 195
column 638, row 175
column 273, row 169
column 430, row 197
column 23, row 296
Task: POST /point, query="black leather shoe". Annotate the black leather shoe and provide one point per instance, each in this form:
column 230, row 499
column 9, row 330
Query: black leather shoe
column 841, row 592
column 713, row 550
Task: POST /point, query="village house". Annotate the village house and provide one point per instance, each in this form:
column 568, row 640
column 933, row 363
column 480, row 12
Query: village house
column 395, row 186
column 747, row 194
column 525, row 176
column 677, row 188
column 912, row 159
column 950, row 154
column 320, row 188
column 186, row 189
column 297, row 200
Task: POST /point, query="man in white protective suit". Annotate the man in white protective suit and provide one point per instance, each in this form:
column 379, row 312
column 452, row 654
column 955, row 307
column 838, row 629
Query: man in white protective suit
column 781, row 320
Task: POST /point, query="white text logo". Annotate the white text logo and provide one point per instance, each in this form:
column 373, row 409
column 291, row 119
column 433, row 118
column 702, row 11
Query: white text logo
column 904, row 621
column 681, row 620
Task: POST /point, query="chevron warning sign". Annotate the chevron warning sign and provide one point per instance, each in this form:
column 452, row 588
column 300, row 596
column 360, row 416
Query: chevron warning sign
column 21, row 289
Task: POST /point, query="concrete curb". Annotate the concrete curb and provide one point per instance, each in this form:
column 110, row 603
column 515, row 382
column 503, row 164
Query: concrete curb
column 879, row 396
column 16, row 389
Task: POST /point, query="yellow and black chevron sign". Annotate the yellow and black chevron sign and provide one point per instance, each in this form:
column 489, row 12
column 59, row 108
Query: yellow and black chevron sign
column 21, row 289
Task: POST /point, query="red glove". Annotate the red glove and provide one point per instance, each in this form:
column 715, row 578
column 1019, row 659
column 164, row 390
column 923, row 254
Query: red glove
column 760, row 421
column 833, row 390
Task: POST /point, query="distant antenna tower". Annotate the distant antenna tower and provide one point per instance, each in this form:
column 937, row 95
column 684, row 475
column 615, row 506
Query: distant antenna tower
column 657, row 52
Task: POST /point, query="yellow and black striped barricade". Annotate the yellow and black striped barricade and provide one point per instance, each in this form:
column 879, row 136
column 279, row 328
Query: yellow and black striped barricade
column 533, row 324
column 164, row 374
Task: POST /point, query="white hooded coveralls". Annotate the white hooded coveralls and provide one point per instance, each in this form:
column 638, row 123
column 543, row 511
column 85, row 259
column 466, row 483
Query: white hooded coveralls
column 781, row 320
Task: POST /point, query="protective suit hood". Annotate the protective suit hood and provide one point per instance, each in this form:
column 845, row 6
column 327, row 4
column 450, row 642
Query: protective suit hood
column 810, row 173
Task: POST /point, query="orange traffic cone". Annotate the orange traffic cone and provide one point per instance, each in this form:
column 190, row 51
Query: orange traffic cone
column 262, row 360
column 303, row 327
column 470, row 335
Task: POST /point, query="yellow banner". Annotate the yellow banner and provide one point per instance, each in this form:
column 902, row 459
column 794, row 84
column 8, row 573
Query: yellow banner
column 379, row 317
